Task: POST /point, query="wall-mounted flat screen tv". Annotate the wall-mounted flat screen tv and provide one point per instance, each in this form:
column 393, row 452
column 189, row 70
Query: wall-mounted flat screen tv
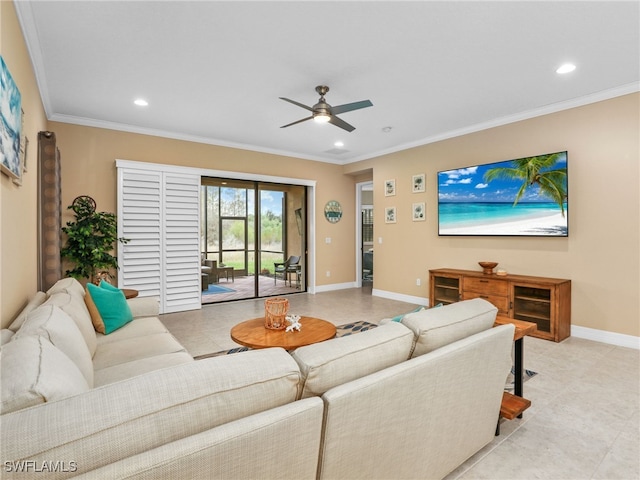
column 521, row 197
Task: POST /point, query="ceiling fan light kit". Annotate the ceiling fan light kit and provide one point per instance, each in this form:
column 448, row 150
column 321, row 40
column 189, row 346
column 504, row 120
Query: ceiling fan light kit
column 321, row 118
column 322, row 112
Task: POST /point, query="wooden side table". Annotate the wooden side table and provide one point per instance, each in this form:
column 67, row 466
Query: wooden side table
column 129, row 292
column 253, row 334
column 522, row 329
column 512, row 405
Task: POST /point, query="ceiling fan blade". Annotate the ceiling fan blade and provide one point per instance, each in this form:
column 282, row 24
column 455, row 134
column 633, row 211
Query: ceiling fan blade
column 297, row 103
column 297, row 121
column 341, row 123
column 348, row 107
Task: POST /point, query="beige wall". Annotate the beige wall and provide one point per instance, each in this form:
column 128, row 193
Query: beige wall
column 18, row 210
column 601, row 254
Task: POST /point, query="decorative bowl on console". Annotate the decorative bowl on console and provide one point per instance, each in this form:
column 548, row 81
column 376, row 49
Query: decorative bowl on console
column 487, row 267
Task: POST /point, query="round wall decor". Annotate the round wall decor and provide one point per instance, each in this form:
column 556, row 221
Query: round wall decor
column 333, row 211
column 83, row 205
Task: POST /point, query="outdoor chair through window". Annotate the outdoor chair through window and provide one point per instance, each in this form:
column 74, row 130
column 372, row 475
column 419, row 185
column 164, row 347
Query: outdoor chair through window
column 210, row 269
column 285, row 268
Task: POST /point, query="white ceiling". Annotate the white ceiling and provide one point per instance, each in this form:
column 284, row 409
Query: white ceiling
column 212, row 71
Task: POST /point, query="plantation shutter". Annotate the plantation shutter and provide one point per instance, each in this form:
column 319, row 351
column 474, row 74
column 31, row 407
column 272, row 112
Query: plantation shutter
column 159, row 213
column 181, row 242
column 139, row 219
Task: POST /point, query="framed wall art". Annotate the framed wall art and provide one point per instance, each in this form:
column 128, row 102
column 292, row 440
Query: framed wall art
column 10, row 124
column 417, row 182
column 390, row 215
column 389, row 188
column 419, row 213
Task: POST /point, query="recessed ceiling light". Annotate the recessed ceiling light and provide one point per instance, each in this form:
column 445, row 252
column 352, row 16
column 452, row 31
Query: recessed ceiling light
column 338, row 144
column 566, row 68
column 141, row 102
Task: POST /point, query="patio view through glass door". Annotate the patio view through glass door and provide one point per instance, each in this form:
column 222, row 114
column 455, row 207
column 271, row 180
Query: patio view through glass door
column 248, row 231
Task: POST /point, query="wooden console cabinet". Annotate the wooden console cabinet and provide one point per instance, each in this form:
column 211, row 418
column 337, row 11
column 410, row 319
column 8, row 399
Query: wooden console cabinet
column 541, row 300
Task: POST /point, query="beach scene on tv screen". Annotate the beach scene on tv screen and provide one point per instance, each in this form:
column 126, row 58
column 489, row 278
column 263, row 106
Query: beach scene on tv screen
column 525, row 196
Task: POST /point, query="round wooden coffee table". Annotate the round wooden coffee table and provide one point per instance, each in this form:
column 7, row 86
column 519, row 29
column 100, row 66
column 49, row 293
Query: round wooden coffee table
column 253, row 334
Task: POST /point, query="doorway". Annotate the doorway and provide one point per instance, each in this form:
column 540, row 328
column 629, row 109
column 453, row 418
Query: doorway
column 364, row 235
column 249, row 230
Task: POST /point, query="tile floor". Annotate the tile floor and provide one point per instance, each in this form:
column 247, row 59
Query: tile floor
column 584, row 422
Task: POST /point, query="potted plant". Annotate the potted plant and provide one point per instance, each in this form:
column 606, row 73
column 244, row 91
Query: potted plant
column 91, row 239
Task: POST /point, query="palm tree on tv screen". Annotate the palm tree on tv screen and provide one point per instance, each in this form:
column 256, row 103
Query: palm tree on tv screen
column 535, row 171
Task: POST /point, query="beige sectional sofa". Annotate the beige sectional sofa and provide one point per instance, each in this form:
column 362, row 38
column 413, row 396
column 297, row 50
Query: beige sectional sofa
column 410, row 399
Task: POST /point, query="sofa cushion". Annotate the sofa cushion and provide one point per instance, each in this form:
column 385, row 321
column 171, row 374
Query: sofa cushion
column 60, row 329
column 327, row 364
column 111, row 304
column 33, row 371
column 5, row 335
column 123, row 371
column 38, row 299
column 67, row 285
column 144, row 306
column 436, row 327
column 136, row 348
column 73, row 304
column 139, row 327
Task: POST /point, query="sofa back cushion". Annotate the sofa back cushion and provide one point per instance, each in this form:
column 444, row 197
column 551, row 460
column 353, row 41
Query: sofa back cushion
column 435, row 327
column 67, row 285
column 38, row 299
column 33, row 371
column 327, row 364
column 59, row 328
column 5, row 336
column 73, row 305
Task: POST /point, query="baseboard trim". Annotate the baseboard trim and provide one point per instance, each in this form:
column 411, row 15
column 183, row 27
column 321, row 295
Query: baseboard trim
column 400, row 297
column 612, row 338
column 334, row 286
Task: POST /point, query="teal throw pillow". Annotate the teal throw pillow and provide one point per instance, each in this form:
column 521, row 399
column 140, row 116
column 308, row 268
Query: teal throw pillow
column 108, row 286
column 399, row 318
column 112, row 306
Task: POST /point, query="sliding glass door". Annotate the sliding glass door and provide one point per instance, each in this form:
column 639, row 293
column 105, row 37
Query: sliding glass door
column 248, row 232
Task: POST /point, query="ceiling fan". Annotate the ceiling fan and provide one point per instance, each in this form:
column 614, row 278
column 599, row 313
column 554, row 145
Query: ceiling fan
column 322, row 112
